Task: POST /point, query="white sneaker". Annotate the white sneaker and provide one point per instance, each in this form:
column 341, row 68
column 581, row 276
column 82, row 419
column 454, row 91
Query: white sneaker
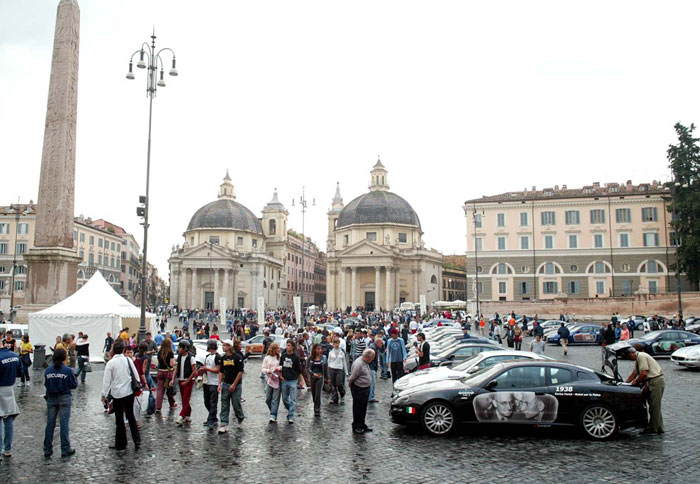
column 223, row 429
column 179, row 420
column 20, row 384
column 273, row 419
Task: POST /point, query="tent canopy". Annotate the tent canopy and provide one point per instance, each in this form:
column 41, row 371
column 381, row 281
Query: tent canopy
column 95, row 309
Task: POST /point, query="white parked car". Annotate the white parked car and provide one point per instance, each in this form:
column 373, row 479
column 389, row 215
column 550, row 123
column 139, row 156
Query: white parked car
column 688, row 356
column 466, row 368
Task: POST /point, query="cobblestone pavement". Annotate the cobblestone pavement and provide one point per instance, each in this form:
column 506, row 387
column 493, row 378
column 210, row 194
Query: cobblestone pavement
column 324, row 449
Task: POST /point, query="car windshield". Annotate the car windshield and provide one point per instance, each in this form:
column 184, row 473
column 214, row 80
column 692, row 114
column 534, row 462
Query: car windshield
column 466, row 363
column 447, row 352
column 482, row 375
column 650, row 336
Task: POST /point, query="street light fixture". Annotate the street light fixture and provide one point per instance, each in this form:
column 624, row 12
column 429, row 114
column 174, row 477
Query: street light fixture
column 476, row 262
column 674, row 192
column 17, row 213
column 155, row 61
column 303, row 204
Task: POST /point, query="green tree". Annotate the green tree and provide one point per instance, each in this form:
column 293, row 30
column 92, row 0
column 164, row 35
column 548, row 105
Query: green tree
column 684, row 161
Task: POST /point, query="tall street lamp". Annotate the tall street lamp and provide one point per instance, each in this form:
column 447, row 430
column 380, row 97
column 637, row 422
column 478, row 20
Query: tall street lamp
column 148, row 57
column 303, row 205
column 17, row 212
column 476, row 260
column 674, row 192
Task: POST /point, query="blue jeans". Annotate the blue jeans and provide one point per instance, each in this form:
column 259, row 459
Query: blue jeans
column 231, row 399
column 373, row 373
column 289, row 396
column 9, row 427
column 81, row 368
column 382, row 365
column 57, row 405
column 272, row 399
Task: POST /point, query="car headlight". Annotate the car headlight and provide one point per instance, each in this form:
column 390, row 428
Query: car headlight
column 401, row 400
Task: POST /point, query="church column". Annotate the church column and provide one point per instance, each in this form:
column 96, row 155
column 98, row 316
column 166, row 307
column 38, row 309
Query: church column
column 253, row 288
column 343, row 288
column 353, row 290
column 330, row 289
column 397, row 285
column 416, row 272
column 377, row 290
column 234, row 284
column 174, row 285
column 195, row 290
column 182, row 292
column 227, row 290
column 215, row 302
column 389, row 302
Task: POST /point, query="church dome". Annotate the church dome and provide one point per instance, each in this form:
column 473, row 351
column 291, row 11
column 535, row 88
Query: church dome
column 225, row 213
column 378, row 207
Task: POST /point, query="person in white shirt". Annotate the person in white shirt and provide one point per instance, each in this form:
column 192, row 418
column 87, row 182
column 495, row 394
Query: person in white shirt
column 116, row 382
column 210, row 391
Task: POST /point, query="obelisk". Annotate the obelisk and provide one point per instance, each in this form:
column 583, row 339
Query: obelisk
column 53, row 262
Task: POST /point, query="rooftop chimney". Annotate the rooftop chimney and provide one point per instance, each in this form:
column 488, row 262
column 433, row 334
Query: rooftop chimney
column 563, row 187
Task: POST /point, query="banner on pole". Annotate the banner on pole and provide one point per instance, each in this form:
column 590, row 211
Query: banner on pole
column 297, row 310
column 423, row 308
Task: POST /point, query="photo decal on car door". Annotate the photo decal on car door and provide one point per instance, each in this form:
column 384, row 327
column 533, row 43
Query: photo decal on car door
column 515, row 407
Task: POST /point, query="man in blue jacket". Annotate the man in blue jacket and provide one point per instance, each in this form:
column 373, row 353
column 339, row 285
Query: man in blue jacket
column 59, row 381
column 9, row 365
column 395, row 355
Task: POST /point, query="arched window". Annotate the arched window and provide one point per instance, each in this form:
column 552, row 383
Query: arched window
column 433, row 280
column 549, row 268
column 598, row 267
column 501, row 268
column 273, row 227
column 111, row 278
column 264, row 285
column 81, row 275
column 272, row 285
column 652, row 267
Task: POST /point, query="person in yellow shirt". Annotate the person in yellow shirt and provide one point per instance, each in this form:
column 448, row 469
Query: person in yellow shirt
column 26, row 349
column 124, row 335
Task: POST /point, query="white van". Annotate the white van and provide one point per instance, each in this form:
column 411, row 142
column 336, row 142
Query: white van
column 17, row 330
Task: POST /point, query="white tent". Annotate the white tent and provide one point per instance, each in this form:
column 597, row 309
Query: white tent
column 95, row 309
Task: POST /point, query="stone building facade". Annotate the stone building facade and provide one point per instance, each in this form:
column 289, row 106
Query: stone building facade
column 590, row 242
column 376, row 257
column 454, row 278
column 230, row 254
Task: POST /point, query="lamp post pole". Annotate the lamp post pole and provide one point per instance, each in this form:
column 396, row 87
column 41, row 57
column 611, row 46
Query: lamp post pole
column 303, row 204
column 14, row 265
column 152, row 83
column 476, row 266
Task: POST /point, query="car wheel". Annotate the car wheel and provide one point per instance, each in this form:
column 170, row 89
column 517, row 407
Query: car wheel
column 599, row 422
column 438, row 418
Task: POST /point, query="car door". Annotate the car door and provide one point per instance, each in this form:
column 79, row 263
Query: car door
column 563, row 385
column 518, row 395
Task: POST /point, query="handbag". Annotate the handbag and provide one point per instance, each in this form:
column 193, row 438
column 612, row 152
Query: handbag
column 87, row 368
column 135, row 383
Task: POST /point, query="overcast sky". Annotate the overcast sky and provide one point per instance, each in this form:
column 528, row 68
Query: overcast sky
column 461, row 99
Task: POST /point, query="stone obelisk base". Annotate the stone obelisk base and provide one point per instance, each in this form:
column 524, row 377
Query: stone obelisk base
column 52, row 278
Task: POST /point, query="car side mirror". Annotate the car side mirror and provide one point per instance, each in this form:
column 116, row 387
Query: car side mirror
column 492, row 384
column 473, row 370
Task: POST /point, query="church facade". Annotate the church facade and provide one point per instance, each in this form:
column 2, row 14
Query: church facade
column 376, row 257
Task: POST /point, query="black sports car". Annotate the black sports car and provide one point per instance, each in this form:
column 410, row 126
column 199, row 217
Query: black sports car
column 535, row 393
column 661, row 343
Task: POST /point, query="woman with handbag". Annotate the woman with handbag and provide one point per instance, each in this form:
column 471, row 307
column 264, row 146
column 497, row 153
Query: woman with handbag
column 166, row 363
column 271, row 369
column 25, row 350
column 317, row 369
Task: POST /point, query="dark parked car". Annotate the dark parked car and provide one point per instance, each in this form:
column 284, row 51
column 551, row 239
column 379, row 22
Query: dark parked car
column 524, row 393
column 662, row 342
column 579, row 334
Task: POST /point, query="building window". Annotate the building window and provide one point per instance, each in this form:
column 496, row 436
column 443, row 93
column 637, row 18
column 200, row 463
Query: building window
column 572, row 217
column 548, row 241
column 99, row 259
column 649, row 214
column 255, row 243
column 239, row 241
column 600, row 287
column 501, row 268
column 549, row 268
column 551, row 287
column 112, row 246
column 652, row 267
column 403, row 238
column 21, row 270
column 624, row 240
column 214, row 240
column 371, row 236
column 600, row 267
column 23, row 228
column 651, row 239
column 501, row 219
column 597, row 216
column 91, row 258
column 501, row 243
column 479, row 243
column 477, row 220
column 21, row 247
column 524, row 287
column 119, row 248
column 346, row 239
column 4, row 229
column 675, row 242
column 626, row 287
column 597, row 241
column 574, row 287
column 502, row 287
column 92, row 240
column 573, row 241
column 99, row 243
column 524, row 221
column 82, row 236
column 626, row 267
column 623, row 215
column 3, row 247
column 273, row 227
column 573, row 268
column 19, row 286
column 82, row 254
column 112, row 262
column 653, row 287
column 479, row 269
column 480, row 287
column 525, row 269
column 524, row 242
column 548, row 218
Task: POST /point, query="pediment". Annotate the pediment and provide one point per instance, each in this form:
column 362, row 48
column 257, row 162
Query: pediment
column 204, row 251
column 365, row 248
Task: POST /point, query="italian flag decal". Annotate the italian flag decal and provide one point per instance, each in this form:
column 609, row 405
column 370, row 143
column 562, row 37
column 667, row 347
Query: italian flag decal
column 411, row 410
